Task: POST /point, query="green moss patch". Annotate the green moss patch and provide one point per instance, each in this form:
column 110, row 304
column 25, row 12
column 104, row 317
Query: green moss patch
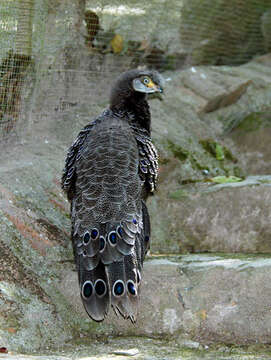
column 178, row 151
column 254, row 121
column 178, row 195
column 218, row 151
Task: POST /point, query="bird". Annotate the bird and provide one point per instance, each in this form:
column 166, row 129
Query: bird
column 110, row 170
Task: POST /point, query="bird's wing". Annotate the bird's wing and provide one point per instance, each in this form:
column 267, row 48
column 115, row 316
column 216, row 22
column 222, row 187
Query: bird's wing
column 148, row 160
column 109, row 219
column 69, row 172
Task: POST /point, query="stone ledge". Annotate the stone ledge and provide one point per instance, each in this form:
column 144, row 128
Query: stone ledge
column 230, row 218
column 205, row 298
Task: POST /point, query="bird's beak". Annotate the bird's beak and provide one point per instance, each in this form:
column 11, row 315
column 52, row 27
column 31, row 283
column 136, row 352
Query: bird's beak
column 154, row 87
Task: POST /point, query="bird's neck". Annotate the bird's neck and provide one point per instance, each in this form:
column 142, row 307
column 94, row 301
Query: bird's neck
column 137, row 109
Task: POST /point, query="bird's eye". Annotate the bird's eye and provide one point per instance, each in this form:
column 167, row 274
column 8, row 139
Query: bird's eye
column 146, row 81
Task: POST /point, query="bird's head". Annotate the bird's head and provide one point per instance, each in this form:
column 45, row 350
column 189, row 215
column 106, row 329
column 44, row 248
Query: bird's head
column 136, row 84
column 148, row 82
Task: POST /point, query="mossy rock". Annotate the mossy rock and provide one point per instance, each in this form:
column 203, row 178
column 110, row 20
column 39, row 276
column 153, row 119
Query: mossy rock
column 255, row 121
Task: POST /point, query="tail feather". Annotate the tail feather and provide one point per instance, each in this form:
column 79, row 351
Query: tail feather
column 122, row 279
column 109, row 260
column 109, row 254
column 95, row 292
column 113, row 245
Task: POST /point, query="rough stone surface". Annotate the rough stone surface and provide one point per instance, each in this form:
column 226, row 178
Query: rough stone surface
column 39, row 291
column 256, row 125
column 204, row 298
column 215, row 89
column 232, row 217
column 231, row 86
column 224, row 32
column 248, row 120
column 148, row 349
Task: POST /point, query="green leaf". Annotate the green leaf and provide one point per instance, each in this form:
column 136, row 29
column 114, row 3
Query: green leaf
column 225, row 179
column 219, row 153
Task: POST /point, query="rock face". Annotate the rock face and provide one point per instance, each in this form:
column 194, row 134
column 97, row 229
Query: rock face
column 204, row 128
column 188, row 299
column 208, row 299
column 228, row 218
column 248, row 119
column 227, row 32
column 33, row 240
column 221, row 210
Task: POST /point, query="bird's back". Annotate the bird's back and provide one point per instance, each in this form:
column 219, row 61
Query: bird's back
column 107, row 185
column 107, row 218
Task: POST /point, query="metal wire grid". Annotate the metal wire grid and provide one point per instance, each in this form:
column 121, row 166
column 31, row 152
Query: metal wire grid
column 110, row 30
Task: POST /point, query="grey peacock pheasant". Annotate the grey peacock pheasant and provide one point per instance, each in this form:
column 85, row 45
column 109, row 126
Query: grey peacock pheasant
column 110, row 170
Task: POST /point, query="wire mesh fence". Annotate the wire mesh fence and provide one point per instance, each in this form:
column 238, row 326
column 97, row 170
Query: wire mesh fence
column 54, row 54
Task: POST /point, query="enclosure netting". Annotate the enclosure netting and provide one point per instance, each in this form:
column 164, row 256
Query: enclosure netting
column 62, row 50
